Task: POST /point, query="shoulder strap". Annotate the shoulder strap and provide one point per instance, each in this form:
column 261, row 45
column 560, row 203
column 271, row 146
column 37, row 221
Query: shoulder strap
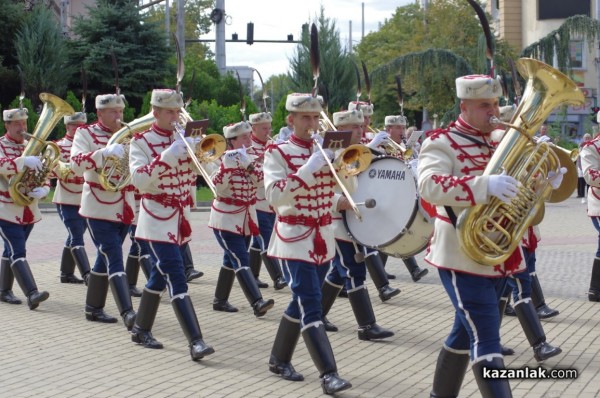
column 470, row 138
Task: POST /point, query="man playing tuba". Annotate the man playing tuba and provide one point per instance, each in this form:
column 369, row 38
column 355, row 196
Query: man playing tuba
column 108, row 213
column 16, row 222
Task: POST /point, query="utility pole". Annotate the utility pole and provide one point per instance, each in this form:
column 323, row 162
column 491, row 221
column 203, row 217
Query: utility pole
column 180, row 25
column 220, row 39
column 168, row 22
column 350, row 37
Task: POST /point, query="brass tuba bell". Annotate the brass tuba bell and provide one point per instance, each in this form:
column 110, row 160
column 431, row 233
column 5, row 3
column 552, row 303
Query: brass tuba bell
column 490, row 233
column 22, row 183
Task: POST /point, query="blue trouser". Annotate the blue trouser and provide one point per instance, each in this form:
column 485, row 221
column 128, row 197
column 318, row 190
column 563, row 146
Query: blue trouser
column 168, row 270
column 344, row 269
column 305, row 280
column 74, row 222
column 15, row 238
column 266, row 221
column 235, row 247
column 476, row 319
column 108, row 236
column 596, row 222
column 138, row 248
column 520, row 283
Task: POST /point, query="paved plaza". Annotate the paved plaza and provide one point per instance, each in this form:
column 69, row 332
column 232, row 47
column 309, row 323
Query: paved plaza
column 54, row 352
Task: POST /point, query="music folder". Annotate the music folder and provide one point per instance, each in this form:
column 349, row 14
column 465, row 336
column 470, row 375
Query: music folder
column 335, row 140
column 196, row 128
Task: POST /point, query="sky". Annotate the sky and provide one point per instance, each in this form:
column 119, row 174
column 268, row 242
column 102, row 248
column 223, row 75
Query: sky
column 285, row 17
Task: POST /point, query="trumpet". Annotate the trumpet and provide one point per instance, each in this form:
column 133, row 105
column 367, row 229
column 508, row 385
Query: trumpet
column 210, row 148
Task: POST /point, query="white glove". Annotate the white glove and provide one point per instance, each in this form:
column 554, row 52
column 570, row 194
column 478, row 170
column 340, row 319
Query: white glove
column 38, row 192
column 177, row 150
column 317, row 137
column 555, row 177
column 317, row 161
column 279, row 141
column 243, row 158
column 230, row 159
column 33, row 163
column 503, row 187
column 115, row 150
column 380, row 138
column 544, row 138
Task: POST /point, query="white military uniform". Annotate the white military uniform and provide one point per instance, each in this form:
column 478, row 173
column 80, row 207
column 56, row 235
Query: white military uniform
column 590, row 165
column 67, row 191
column 450, row 168
column 86, row 161
column 259, row 148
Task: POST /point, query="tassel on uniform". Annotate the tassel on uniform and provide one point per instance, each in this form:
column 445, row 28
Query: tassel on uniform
column 254, row 231
column 185, row 228
column 27, row 215
column 512, row 263
column 128, row 215
column 319, row 244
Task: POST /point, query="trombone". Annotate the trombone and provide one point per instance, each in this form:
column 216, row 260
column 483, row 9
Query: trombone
column 209, row 149
column 393, row 148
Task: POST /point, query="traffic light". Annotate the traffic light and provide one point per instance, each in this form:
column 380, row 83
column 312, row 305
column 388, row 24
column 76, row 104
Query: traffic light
column 234, row 37
column 250, row 33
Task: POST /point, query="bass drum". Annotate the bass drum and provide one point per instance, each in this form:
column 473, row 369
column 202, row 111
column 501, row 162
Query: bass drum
column 398, row 224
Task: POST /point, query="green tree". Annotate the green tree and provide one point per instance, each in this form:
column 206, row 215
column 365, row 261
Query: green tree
column 42, row 54
column 139, row 46
column 11, row 19
column 336, row 69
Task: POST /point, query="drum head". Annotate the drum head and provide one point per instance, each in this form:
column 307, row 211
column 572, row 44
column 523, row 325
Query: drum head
column 392, row 184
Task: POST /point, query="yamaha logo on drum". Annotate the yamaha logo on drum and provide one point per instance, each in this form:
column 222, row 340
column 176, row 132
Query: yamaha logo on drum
column 387, row 174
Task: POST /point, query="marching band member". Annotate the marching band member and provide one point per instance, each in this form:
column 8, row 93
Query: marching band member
column 450, row 165
column 346, row 271
column 67, row 197
column 139, row 254
column 161, row 170
column 261, row 132
column 395, row 126
column 108, row 214
column 16, row 222
column 367, row 110
column 300, row 188
column 233, row 219
column 590, row 164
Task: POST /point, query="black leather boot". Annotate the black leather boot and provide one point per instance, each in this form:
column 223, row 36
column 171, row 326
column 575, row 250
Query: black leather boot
column 416, row 272
column 250, row 289
column 274, row 270
column 24, row 277
column 120, row 291
column 509, row 310
column 502, row 303
column 96, row 299
column 132, row 269
column 534, row 331
column 539, row 302
column 146, row 265
column 254, row 262
column 6, row 283
column 368, row 329
column 329, row 292
column 488, row 387
column 82, row 261
column 449, row 373
column 384, row 258
column 141, row 332
column 223, row 289
column 184, row 310
column 286, row 339
column 188, row 264
column 321, row 353
column 594, row 292
column 67, row 267
column 379, row 277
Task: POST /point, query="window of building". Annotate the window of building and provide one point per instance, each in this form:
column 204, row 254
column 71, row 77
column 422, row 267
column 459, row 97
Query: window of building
column 576, row 54
column 559, row 9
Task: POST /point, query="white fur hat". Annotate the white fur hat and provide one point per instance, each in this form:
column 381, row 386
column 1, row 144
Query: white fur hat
column 300, row 102
column 236, row 129
column 263, row 117
column 395, row 120
column 10, row 115
column 166, row 98
column 507, row 112
column 76, row 118
column 104, row 101
column 345, row 118
column 365, row 107
column 478, row 87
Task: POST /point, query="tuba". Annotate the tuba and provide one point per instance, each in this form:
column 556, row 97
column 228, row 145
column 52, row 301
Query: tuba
column 115, row 175
column 22, row 183
column 490, row 233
